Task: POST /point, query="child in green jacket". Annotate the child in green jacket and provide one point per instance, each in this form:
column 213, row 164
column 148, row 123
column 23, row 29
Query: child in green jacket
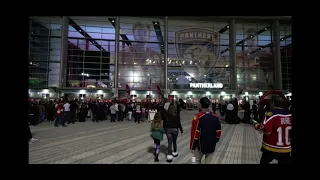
column 157, row 132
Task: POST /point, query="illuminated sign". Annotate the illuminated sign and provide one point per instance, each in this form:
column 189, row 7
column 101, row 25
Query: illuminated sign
column 206, row 85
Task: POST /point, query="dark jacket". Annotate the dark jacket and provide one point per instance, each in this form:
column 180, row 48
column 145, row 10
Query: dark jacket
column 172, row 121
column 205, row 132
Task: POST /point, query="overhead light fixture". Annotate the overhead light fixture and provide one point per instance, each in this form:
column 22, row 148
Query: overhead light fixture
column 155, row 22
column 112, row 20
column 227, row 26
column 266, row 28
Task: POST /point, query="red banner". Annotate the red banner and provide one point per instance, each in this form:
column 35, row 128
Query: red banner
column 159, row 90
column 127, row 90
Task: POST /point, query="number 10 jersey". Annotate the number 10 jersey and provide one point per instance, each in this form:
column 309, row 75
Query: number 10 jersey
column 277, row 129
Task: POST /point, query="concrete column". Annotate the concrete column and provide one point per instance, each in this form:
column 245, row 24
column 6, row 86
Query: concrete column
column 277, row 55
column 64, row 51
column 166, row 56
column 116, row 59
column 232, row 54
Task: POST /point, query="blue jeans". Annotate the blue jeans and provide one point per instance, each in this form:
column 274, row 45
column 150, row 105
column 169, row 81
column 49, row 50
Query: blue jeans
column 59, row 120
column 42, row 114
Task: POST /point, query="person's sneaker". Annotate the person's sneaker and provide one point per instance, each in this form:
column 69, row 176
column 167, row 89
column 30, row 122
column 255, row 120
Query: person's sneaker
column 32, row 140
column 169, row 158
column 175, row 154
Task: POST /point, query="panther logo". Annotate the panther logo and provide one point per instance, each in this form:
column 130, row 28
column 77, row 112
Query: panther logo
column 198, row 50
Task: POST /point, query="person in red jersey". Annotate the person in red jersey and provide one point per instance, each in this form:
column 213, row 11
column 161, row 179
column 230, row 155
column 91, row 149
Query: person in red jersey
column 276, row 128
column 59, row 116
column 205, row 133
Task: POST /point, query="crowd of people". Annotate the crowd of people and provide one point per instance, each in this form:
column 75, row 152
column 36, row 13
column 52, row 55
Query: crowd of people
column 234, row 113
column 272, row 117
column 67, row 112
column 60, row 112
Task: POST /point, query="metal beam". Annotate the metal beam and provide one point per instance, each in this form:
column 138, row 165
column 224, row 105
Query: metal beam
column 240, row 19
column 123, row 36
column 247, row 38
column 232, row 43
column 157, row 29
column 224, row 29
column 85, row 34
column 277, row 55
column 117, row 46
column 166, row 52
column 64, row 51
column 270, row 44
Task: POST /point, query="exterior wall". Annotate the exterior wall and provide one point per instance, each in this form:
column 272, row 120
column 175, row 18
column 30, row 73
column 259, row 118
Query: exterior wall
column 146, row 62
column 45, row 50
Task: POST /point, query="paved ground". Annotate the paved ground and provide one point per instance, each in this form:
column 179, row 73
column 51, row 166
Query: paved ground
column 130, row 143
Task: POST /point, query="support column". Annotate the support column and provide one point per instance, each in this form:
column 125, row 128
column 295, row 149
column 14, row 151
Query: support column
column 64, row 51
column 277, row 55
column 232, row 54
column 116, row 59
column 166, row 56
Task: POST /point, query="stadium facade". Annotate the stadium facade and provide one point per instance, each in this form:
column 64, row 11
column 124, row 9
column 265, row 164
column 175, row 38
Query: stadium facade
column 99, row 57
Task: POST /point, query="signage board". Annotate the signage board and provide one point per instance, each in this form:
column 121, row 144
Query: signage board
column 206, row 85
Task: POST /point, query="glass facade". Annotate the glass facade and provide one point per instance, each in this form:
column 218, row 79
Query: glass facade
column 141, row 63
column 44, row 51
column 286, row 55
column 254, row 56
column 91, row 51
column 198, row 53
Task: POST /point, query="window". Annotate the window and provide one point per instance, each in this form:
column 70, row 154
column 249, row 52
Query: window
column 141, row 53
column 44, row 51
column 91, row 52
column 254, row 56
column 197, row 52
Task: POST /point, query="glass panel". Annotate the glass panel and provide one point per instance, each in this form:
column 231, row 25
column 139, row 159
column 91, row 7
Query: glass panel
column 90, row 57
column 196, row 53
column 254, row 56
column 141, row 55
column 44, row 51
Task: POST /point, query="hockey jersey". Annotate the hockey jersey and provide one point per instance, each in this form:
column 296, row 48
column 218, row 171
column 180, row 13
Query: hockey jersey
column 205, row 132
column 277, row 129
